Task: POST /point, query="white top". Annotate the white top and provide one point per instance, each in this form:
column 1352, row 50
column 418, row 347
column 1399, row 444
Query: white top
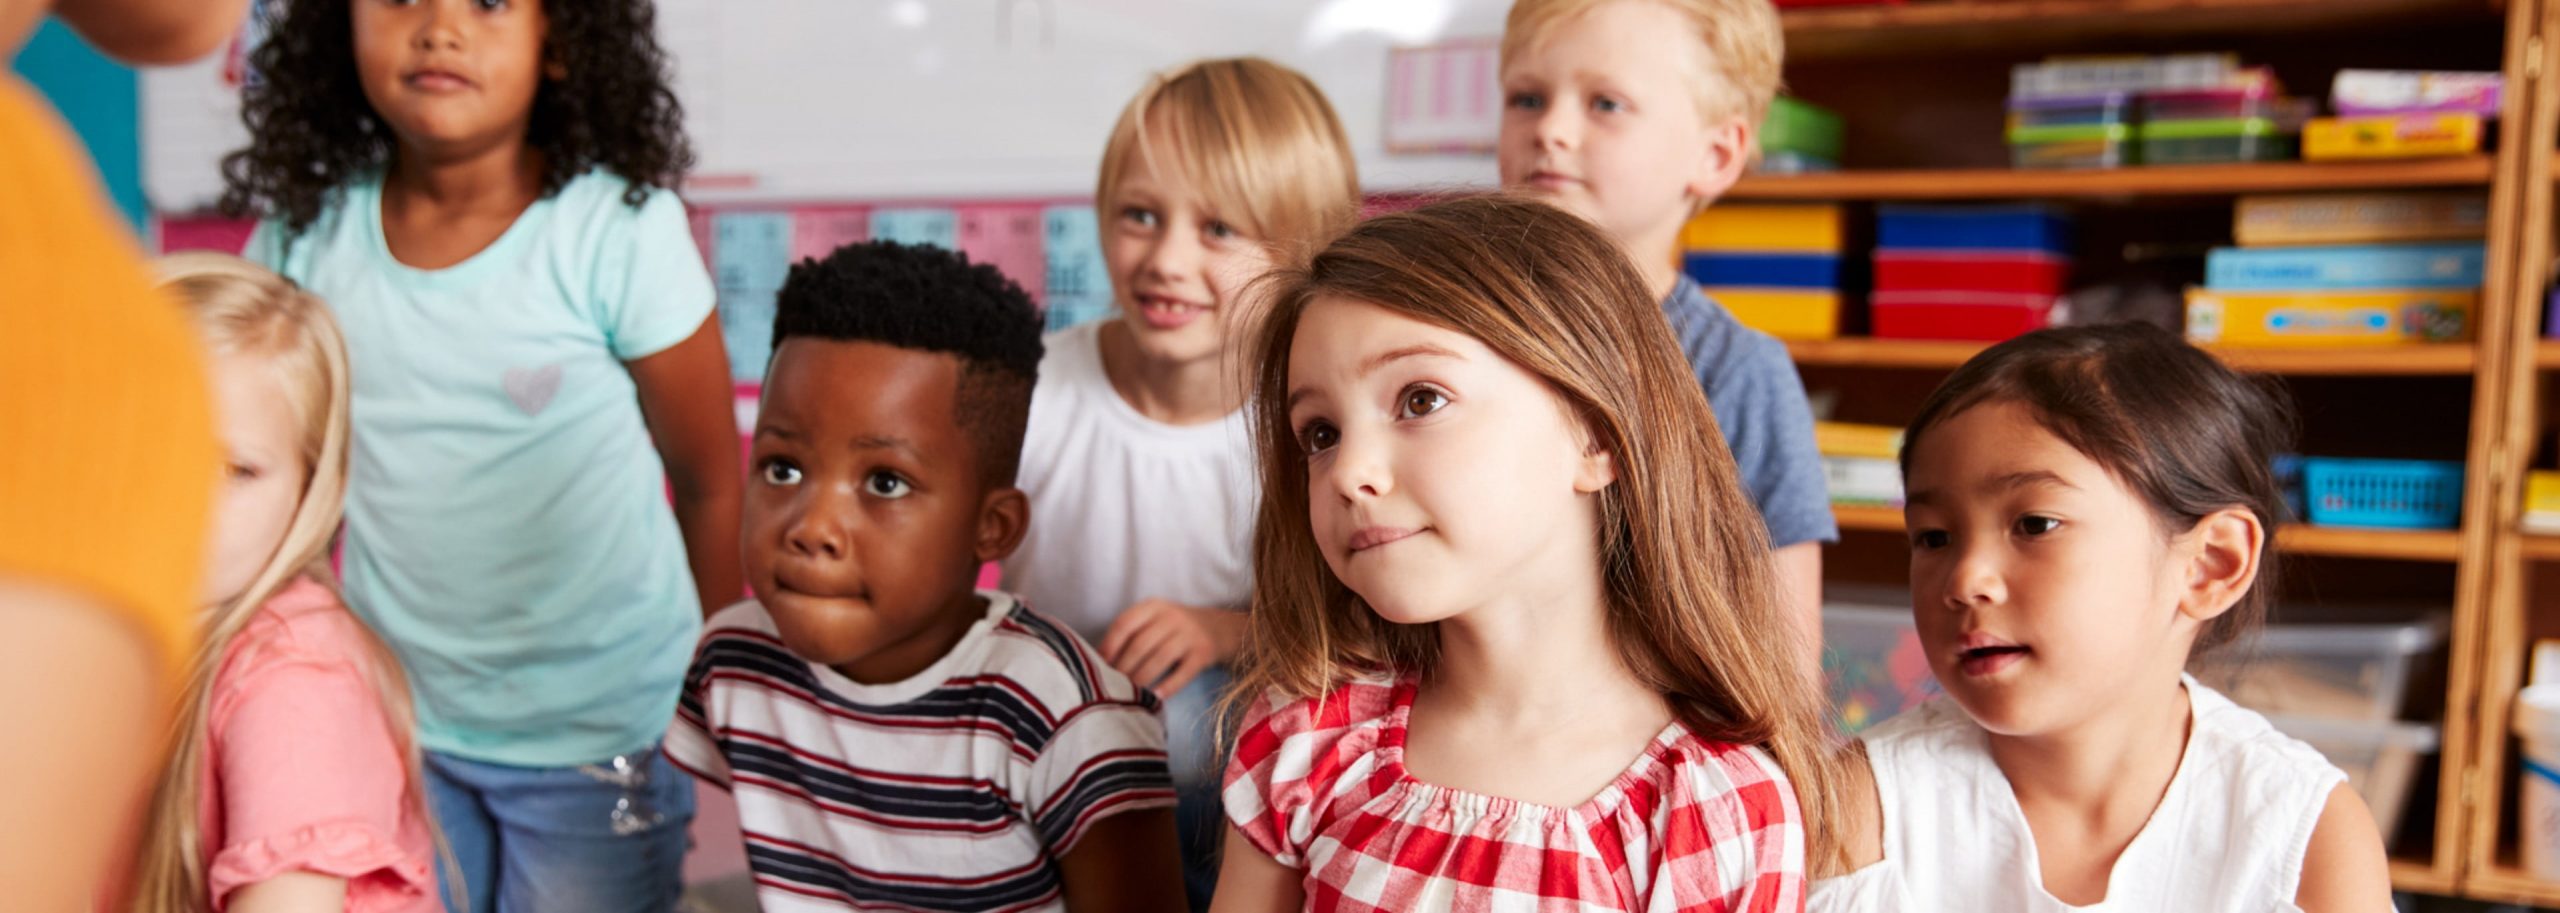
column 2229, row 834
column 1124, row 507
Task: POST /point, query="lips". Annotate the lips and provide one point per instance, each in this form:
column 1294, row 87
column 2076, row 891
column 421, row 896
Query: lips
column 1550, row 180
column 815, row 586
column 1369, row 537
column 435, row 80
column 1981, row 654
column 1168, row 313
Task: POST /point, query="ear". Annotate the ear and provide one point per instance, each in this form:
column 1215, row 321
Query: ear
column 2221, row 557
column 1726, row 156
column 1004, row 515
column 1597, row 469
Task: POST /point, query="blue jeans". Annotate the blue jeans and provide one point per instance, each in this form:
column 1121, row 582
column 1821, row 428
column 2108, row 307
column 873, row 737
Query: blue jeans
column 1197, row 750
column 609, row 836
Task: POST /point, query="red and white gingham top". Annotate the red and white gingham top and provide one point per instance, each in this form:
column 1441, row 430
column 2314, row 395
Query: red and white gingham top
column 1320, row 785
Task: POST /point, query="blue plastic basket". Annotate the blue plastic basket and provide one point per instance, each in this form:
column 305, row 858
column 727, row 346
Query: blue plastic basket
column 2393, row 494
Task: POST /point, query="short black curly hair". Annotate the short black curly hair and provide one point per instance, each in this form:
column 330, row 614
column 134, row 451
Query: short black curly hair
column 312, row 130
column 925, row 298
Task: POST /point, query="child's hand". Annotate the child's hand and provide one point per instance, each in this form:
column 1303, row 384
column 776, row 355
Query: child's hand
column 1163, row 645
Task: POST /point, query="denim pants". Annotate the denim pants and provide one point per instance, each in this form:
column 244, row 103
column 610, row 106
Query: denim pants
column 609, row 836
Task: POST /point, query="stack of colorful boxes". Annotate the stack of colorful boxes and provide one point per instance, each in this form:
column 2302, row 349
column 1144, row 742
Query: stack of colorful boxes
column 2109, row 112
column 1861, row 464
column 1775, row 268
column 2370, row 278
column 2404, row 114
column 1968, row 272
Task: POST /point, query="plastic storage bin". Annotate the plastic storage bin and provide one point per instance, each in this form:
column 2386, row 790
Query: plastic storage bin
column 2005, row 229
column 2072, row 111
column 2393, row 494
column 2355, row 672
column 2023, row 272
column 2381, row 759
column 2109, row 146
column 1871, row 657
column 2212, row 104
column 2207, row 142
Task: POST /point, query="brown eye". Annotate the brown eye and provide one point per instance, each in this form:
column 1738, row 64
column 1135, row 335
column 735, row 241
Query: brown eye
column 2032, row 525
column 1422, row 401
column 1318, row 437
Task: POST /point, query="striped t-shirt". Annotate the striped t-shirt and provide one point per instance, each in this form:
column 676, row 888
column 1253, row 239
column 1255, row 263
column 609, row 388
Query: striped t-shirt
column 957, row 789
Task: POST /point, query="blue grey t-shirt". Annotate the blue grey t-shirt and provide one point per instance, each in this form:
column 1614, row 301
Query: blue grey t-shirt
column 1759, row 402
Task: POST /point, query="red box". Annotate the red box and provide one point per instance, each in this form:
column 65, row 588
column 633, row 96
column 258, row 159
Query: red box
column 1987, row 317
column 2026, row 273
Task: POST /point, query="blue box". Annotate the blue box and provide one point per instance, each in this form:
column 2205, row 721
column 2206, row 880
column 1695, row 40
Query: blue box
column 2459, row 264
column 2389, row 494
column 1817, row 271
column 2015, row 227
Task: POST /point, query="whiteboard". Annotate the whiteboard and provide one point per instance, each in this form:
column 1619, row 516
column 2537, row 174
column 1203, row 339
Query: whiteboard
column 800, row 100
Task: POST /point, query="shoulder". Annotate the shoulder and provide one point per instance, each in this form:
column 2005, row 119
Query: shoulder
column 1729, row 355
column 742, row 635
column 304, row 624
column 1070, row 360
column 2344, row 868
column 1049, row 664
column 1319, row 737
column 2244, row 742
column 1743, row 779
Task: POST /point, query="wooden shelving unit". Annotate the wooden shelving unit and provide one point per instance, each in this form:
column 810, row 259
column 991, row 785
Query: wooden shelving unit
column 2151, row 180
column 2446, row 360
column 1938, row 140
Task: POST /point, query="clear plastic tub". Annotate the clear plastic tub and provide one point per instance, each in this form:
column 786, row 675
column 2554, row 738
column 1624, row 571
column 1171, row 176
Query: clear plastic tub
column 2381, row 759
column 1871, row 657
column 2208, row 142
column 2072, row 111
column 2352, row 672
column 2073, row 147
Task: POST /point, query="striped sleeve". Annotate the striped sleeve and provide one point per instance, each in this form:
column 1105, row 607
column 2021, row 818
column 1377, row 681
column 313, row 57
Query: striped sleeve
column 690, row 743
column 1105, row 758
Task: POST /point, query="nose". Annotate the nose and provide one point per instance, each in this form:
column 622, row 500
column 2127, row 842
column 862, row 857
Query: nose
column 1174, row 256
column 1559, row 127
column 439, row 24
column 823, row 527
column 1359, row 471
column 1975, row 580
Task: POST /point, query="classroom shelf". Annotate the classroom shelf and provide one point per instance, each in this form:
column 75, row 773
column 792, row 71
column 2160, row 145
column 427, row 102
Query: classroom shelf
column 2505, row 881
column 2546, row 354
column 2393, row 361
column 2157, row 180
column 1977, row 25
column 2416, row 875
column 2540, row 546
column 2296, row 538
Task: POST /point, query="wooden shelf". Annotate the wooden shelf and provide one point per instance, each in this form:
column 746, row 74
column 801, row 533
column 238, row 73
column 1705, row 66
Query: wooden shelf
column 2162, row 180
column 2299, row 539
column 1951, row 26
column 2546, row 354
column 2418, row 877
column 2394, row 361
column 2506, row 882
column 2540, row 546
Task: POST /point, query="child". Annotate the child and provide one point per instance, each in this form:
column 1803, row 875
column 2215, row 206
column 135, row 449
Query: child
column 293, row 781
column 1137, row 462
column 481, row 190
column 1453, row 683
column 896, row 739
column 1636, row 114
column 2089, row 508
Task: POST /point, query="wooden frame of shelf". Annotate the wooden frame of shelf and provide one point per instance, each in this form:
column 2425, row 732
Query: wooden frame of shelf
column 2293, row 538
column 1961, row 25
column 2155, row 180
column 2452, row 359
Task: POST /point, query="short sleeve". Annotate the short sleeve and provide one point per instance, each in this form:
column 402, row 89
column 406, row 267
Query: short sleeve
column 312, row 780
column 266, row 246
column 1734, row 839
column 651, row 290
column 1760, row 404
column 1290, row 757
column 1105, row 758
column 689, row 743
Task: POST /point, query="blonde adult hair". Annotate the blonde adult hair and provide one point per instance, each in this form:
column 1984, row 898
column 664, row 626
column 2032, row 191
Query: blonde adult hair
column 243, row 310
column 1258, row 139
column 1693, row 605
column 1741, row 43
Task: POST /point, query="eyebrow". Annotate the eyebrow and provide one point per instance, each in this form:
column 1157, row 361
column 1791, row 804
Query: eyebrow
column 2003, row 483
column 861, row 442
column 1380, row 360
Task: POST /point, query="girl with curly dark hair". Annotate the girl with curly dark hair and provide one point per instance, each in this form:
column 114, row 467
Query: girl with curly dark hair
column 484, row 190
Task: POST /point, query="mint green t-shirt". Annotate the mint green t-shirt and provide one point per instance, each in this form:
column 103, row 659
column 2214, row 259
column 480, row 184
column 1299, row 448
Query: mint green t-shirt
column 508, row 531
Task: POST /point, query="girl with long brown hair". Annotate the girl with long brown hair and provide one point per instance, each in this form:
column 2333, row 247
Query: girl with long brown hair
column 1502, row 551
column 292, row 781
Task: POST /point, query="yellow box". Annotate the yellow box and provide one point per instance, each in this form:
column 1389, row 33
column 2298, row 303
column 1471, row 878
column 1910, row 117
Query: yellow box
column 2390, row 136
column 1806, row 314
column 1849, row 439
column 2338, row 318
column 2541, row 504
column 1774, row 229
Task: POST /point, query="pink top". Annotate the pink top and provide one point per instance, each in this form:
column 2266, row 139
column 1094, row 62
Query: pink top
column 302, row 771
column 1692, row 826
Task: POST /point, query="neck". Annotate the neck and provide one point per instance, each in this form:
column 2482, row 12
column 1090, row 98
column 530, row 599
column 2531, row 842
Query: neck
column 1507, row 657
column 1175, row 393
column 1655, row 253
column 502, row 176
column 2115, row 767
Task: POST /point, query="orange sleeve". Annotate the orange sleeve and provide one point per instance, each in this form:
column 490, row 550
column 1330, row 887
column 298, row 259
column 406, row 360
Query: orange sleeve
column 107, row 456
